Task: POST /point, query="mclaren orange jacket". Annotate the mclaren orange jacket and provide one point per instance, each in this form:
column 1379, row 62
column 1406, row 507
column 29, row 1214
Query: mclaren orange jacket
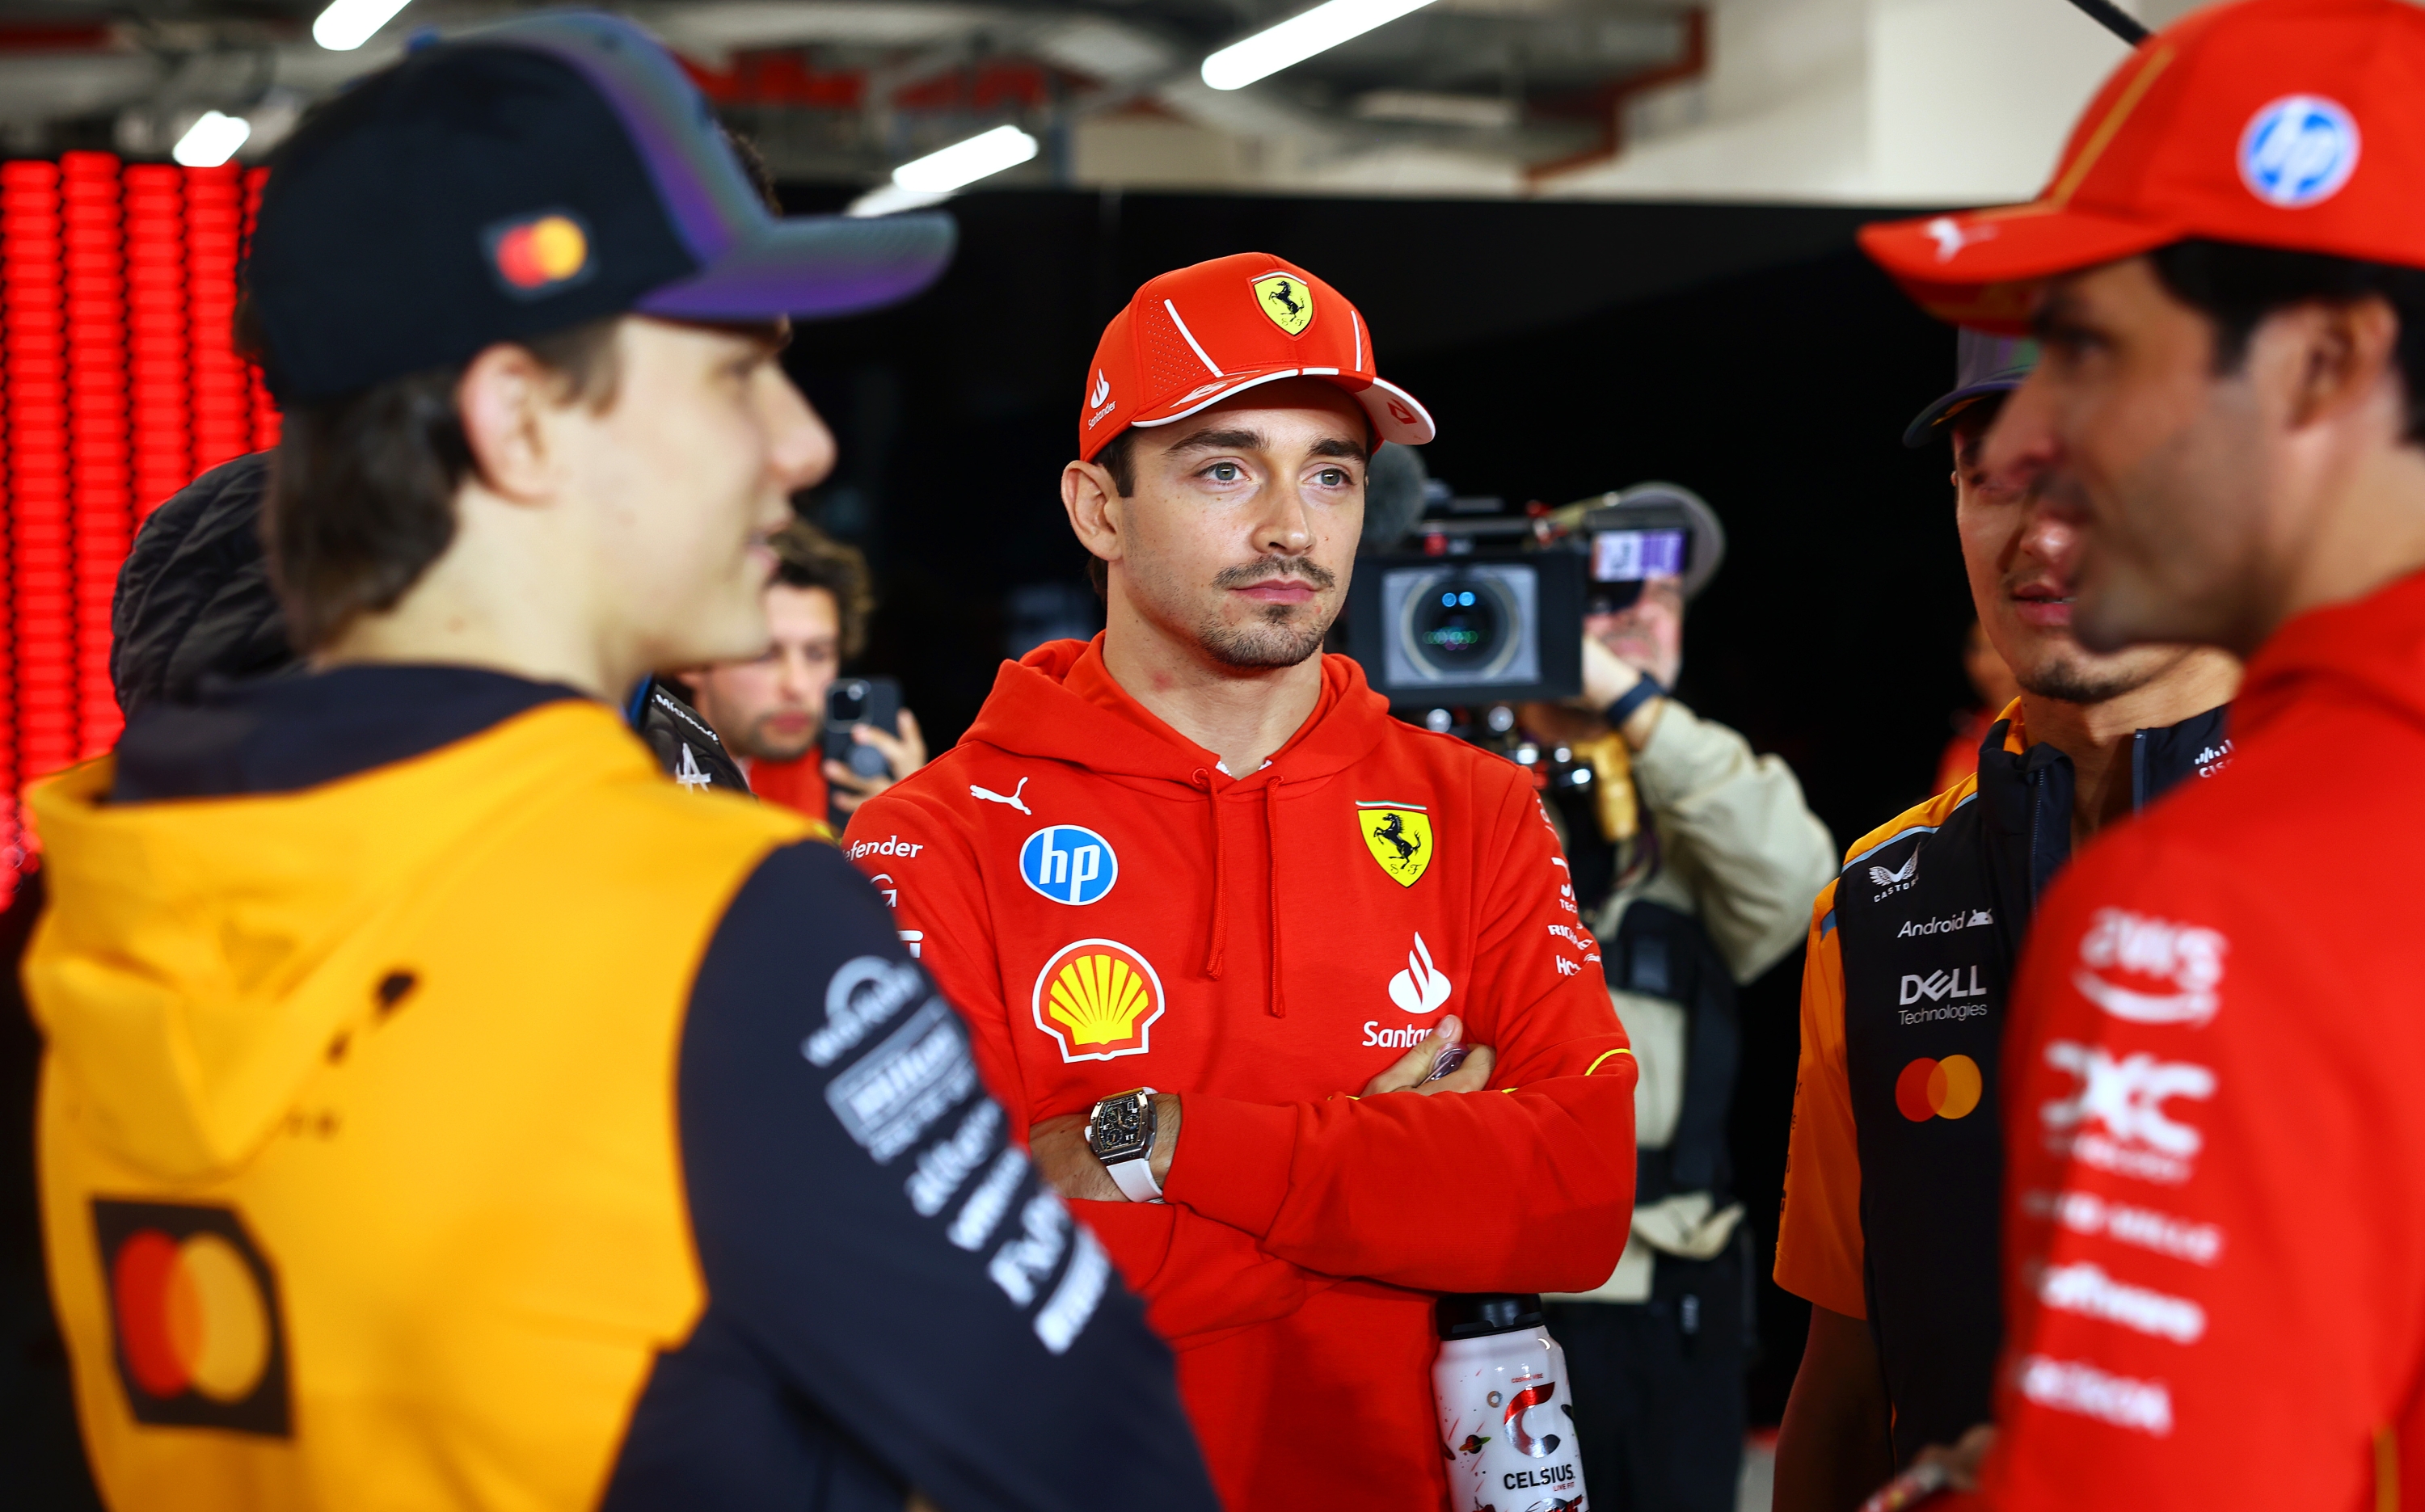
column 2214, row 1210
column 1111, row 909
column 442, row 1110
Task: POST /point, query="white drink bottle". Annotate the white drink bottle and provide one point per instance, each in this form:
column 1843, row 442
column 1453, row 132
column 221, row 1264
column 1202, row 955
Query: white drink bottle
column 1505, row 1410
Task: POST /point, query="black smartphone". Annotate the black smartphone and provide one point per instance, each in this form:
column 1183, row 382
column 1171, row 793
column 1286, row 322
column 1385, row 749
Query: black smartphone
column 851, row 700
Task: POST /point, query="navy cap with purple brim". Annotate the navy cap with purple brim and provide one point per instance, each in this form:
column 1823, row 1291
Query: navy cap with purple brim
column 1983, row 365
column 522, row 179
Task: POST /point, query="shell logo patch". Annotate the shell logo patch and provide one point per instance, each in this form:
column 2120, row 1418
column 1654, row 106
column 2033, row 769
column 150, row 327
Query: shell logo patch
column 194, row 1313
column 1400, row 837
column 1099, row 999
column 540, row 255
column 1284, row 297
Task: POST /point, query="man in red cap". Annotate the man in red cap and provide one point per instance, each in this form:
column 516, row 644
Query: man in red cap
column 1199, row 855
column 2216, row 1147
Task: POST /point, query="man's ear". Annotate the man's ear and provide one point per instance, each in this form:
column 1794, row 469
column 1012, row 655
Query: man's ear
column 503, row 398
column 1096, row 509
column 2348, row 355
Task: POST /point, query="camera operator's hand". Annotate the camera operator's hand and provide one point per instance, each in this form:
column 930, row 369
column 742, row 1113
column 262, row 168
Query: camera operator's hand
column 1648, row 634
column 1407, row 1073
column 904, row 754
column 1607, row 677
column 1646, row 638
column 1606, row 680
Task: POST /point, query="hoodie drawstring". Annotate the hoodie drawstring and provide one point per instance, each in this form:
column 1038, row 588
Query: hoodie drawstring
column 1216, row 947
column 1272, row 840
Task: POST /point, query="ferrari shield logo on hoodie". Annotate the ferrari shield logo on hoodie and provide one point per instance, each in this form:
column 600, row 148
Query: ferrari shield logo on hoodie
column 1400, row 837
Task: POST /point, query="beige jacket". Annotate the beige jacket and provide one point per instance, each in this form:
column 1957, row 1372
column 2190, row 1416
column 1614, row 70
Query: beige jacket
column 1740, row 851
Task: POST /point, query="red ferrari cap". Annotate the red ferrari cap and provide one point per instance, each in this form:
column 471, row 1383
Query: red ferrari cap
column 2297, row 124
column 1190, row 339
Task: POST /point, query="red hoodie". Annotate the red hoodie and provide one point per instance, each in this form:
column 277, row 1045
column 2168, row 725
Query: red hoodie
column 2215, row 1216
column 1263, row 946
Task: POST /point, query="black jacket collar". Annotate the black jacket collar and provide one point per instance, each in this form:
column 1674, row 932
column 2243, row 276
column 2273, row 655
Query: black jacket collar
column 284, row 734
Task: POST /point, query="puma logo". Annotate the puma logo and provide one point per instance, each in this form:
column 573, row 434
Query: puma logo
column 989, row 796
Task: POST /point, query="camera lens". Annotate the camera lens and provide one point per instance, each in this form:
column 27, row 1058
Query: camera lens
column 1460, row 623
column 1457, row 629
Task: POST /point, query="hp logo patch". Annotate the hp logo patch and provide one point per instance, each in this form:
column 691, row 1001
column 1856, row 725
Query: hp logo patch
column 1068, row 865
column 2298, row 150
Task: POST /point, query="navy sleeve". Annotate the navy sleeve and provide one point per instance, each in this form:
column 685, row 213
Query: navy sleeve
column 893, row 1299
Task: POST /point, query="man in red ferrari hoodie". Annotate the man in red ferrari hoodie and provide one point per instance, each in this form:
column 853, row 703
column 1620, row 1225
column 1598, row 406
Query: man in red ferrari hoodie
column 2215, row 1221
column 1198, row 855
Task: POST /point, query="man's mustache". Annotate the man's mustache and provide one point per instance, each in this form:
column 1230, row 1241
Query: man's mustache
column 1270, row 569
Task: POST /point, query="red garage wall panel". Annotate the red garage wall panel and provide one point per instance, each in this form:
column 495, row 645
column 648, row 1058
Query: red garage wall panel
column 118, row 383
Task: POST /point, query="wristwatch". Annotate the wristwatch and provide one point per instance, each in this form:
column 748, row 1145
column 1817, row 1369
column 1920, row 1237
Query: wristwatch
column 1120, row 1131
column 1627, row 702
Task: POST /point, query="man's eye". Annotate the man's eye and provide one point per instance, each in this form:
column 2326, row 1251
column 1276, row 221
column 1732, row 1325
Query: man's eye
column 1332, row 477
column 1224, row 472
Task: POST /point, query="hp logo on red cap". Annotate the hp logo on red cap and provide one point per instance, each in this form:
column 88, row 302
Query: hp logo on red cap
column 2298, row 150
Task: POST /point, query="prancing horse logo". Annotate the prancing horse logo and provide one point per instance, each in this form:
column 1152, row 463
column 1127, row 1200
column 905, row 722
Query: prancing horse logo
column 1400, row 837
column 1284, row 297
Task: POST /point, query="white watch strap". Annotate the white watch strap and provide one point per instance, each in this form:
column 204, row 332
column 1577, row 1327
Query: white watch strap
column 1134, row 1178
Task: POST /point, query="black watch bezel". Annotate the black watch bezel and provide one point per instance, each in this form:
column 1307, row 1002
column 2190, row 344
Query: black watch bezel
column 1132, row 1119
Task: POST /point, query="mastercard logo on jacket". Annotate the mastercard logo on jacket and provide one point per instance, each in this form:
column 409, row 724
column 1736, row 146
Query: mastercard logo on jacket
column 193, row 1304
column 1947, row 1088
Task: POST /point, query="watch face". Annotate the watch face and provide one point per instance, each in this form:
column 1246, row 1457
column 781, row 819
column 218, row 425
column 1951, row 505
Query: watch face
column 1122, row 1127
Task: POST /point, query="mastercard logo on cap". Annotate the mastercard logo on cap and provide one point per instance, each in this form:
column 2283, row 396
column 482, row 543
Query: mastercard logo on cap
column 541, row 254
column 1947, row 1088
column 194, row 1312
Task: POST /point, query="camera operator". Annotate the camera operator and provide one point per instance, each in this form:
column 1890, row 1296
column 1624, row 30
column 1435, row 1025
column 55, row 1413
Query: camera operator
column 413, row 1051
column 1892, row 1201
column 1197, row 853
column 770, row 711
column 1703, row 887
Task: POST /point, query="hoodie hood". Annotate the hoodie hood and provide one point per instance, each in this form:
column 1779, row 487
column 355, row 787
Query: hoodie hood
column 1059, row 702
column 200, row 956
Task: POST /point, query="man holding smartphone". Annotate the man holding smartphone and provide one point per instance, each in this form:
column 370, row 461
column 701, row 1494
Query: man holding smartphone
column 1214, row 915
column 772, row 710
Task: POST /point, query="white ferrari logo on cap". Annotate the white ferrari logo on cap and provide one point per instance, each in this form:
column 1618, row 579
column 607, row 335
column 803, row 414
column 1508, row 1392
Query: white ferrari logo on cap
column 1951, row 236
column 2298, row 150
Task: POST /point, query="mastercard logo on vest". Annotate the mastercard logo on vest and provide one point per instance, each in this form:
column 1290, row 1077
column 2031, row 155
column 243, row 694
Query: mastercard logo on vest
column 193, row 1306
column 1947, row 1088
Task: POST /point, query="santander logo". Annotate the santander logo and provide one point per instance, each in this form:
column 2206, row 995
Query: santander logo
column 1102, row 390
column 1421, row 988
